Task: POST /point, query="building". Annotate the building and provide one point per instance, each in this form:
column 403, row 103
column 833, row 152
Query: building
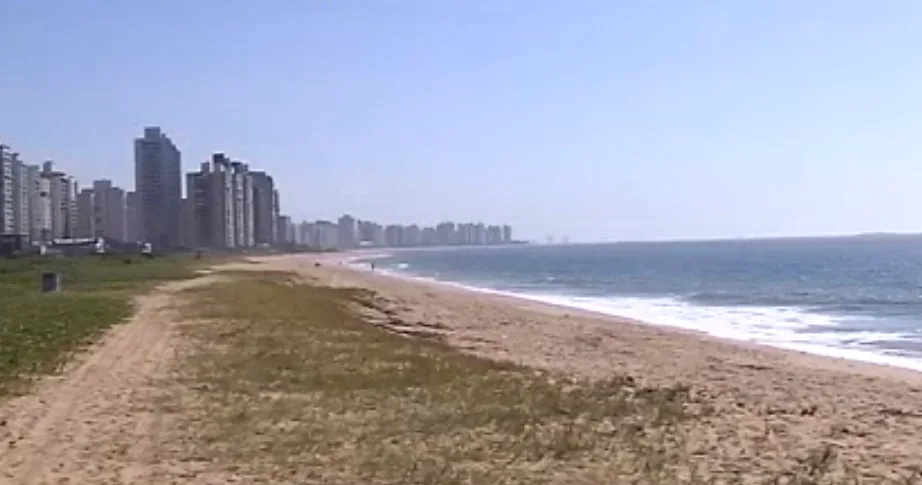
column 110, row 209
column 264, row 217
column 158, row 182
column 507, row 234
column 445, row 233
column 62, row 194
column 210, row 191
column 133, row 216
column 348, row 233
column 39, row 188
column 86, row 214
column 6, row 190
column 21, row 197
column 222, row 204
column 284, row 231
column 187, row 233
column 326, row 235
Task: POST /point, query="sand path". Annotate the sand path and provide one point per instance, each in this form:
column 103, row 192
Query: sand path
column 97, row 422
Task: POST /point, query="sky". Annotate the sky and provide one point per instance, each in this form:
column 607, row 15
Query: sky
column 596, row 120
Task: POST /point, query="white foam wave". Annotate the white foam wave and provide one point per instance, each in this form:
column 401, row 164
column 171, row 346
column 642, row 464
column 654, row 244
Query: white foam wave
column 781, row 327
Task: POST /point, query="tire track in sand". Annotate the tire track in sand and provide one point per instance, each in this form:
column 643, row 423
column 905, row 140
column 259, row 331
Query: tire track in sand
column 97, row 422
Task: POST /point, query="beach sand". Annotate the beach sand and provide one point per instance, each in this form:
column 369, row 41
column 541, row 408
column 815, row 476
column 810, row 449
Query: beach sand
column 772, row 409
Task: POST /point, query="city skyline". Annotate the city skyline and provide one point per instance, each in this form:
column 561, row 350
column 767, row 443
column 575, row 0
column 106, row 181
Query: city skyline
column 225, row 205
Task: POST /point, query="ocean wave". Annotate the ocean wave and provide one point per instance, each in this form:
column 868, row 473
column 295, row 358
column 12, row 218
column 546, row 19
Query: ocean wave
column 785, row 327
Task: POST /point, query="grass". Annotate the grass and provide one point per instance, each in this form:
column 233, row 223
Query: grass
column 293, row 387
column 38, row 331
column 283, row 382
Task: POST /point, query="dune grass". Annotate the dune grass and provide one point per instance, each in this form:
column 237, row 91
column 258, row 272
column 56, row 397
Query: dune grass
column 291, row 386
column 38, row 331
column 288, row 382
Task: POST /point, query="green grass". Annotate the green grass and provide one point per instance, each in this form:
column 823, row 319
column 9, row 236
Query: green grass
column 284, row 382
column 291, row 386
column 38, row 331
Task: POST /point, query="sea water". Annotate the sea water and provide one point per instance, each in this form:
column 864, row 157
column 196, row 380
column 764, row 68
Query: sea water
column 854, row 298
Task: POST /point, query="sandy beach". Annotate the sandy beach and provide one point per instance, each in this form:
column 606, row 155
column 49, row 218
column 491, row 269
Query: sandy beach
column 771, row 408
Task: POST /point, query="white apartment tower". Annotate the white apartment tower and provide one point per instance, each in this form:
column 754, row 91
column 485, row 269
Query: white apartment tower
column 62, row 192
column 6, row 190
column 158, row 182
column 39, row 188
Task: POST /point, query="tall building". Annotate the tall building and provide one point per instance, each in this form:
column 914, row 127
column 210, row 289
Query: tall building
column 188, row 231
column 110, row 209
column 222, row 204
column 133, row 216
column 21, row 199
column 62, row 192
column 6, row 190
column 348, row 233
column 264, row 214
column 39, row 188
column 210, row 191
column 284, row 229
column 86, row 214
column 158, row 182
column 507, row 234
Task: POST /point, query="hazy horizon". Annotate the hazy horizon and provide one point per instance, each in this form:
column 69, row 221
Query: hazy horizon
column 599, row 121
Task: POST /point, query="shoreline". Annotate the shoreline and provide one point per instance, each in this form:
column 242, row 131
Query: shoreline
column 860, row 357
column 770, row 407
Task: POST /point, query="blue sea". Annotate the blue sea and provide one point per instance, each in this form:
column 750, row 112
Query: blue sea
column 854, row 298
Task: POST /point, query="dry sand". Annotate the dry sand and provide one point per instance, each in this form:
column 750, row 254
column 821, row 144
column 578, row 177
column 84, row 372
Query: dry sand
column 772, row 407
column 98, row 421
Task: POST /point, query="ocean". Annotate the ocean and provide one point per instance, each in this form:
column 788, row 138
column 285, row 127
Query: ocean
column 853, row 298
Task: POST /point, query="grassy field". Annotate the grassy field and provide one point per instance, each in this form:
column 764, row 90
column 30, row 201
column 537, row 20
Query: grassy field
column 37, row 331
column 293, row 388
column 284, row 383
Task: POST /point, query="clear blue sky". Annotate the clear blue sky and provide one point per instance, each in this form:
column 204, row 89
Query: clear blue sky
column 597, row 119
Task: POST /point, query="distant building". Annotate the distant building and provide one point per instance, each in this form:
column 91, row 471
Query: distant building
column 39, row 204
column 21, row 197
column 133, row 216
column 326, row 235
column 507, row 234
column 62, row 192
column 158, row 182
column 86, row 214
column 283, row 228
column 264, row 209
column 6, row 190
column 221, row 204
column 111, row 212
column 348, row 235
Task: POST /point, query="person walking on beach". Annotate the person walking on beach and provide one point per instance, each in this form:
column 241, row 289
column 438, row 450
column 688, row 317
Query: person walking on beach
column 372, row 266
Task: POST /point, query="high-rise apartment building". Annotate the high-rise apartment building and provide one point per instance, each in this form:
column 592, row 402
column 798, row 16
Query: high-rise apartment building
column 507, row 234
column 6, row 190
column 284, row 229
column 39, row 188
column 158, row 182
column 133, row 216
column 348, row 233
column 222, row 202
column 110, row 211
column 62, row 192
column 21, row 199
column 86, row 214
column 264, row 213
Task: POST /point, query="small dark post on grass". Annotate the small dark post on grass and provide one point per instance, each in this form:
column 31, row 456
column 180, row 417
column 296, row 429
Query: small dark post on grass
column 51, row 282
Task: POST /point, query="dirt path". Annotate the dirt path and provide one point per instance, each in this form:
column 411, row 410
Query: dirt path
column 97, row 422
